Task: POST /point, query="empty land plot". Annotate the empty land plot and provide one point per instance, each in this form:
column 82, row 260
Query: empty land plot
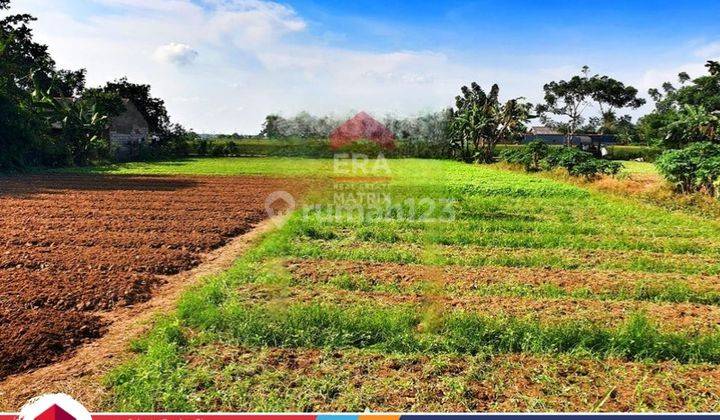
column 530, row 294
column 73, row 246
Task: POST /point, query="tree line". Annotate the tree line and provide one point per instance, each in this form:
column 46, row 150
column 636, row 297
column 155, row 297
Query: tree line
column 49, row 117
column 582, row 104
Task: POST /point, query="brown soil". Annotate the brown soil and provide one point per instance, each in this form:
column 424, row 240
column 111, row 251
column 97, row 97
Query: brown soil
column 682, row 317
column 678, row 317
column 75, row 245
column 81, row 374
column 466, row 279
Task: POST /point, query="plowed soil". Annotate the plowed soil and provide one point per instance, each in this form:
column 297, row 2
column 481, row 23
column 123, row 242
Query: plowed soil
column 466, row 279
column 73, row 246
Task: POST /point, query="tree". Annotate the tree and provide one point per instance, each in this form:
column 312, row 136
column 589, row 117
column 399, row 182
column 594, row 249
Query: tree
column 683, row 77
column 570, row 99
column 270, row 127
column 153, row 109
column 80, row 126
column 69, row 83
column 692, row 124
column 20, row 129
column 610, row 94
column 670, row 124
column 481, row 121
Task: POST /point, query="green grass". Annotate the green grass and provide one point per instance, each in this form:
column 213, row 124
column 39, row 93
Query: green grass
column 433, row 213
column 640, row 168
column 267, row 166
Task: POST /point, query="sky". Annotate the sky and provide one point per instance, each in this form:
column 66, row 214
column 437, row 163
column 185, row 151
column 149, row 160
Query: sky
column 222, row 65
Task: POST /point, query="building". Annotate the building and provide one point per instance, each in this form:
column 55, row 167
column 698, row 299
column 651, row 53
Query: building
column 128, row 131
column 362, row 127
column 585, row 141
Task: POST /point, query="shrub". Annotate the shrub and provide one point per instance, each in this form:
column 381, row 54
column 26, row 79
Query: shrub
column 646, row 153
column 217, row 149
column 579, row 163
column 536, row 156
column 529, row 156
column 695, row 168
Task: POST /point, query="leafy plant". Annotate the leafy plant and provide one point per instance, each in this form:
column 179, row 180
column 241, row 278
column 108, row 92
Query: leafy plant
column 80, row 126
column 481, row 121
column 693, row 124
column 530, row 156
column 569, row 99
column 580, row 163
column 536, row 156
column 685, row 114
column 695, row 168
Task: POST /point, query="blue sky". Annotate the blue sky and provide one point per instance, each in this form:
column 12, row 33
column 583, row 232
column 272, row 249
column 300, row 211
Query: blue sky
column 221, row 65
column 518, row 25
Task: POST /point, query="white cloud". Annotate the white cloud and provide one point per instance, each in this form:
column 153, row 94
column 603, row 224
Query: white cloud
column 257, row 57
column 709, row 51
column 179, row 54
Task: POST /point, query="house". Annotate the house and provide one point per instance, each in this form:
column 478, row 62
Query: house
column 362, row 127
column 128, row 131
column 585, row 141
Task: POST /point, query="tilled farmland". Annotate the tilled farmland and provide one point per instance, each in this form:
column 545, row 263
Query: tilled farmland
column 76, row 246
column 530, row 295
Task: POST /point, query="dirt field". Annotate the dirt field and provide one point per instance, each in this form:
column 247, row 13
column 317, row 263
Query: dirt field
column 74, row 247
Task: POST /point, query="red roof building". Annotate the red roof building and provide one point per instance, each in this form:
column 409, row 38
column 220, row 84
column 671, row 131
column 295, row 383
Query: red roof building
column 362, row 127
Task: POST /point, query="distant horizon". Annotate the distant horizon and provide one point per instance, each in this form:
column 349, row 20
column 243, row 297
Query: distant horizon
column 221, row 66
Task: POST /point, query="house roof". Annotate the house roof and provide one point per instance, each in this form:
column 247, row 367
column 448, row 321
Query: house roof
column 128, row 121
column 542, row 130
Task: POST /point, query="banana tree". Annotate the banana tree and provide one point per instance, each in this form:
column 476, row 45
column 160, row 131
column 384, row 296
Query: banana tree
column 80, row 126
column 481, row 121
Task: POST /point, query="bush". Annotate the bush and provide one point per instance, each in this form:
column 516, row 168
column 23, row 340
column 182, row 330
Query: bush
column 217, row 149
column 695, row 168
column 646, row 153
column 579, row 163
column 536, row 156
column 529, row 156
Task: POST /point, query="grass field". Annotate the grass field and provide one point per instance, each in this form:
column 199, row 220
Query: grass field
column 639, row 168
column 440, row 286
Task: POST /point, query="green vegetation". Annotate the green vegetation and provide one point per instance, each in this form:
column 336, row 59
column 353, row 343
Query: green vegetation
column 569, row 100
column 695, row 168
column 270, row 166
column 686, row 114
column 536, row 156
column 48, row 117
column 481, row 121
column 646, row 153
column 640, row 261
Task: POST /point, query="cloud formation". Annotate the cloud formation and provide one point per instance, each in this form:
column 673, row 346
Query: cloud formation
column 244, row 59
column 179, row 54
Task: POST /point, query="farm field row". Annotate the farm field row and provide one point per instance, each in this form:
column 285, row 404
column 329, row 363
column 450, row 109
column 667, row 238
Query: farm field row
column 76, row 246
column 522, row 293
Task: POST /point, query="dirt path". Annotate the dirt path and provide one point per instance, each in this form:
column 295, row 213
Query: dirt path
column 81, row 374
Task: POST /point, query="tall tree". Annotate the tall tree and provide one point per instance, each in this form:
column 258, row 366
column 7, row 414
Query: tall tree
column 609, row 95
column 571, row 99
column 153, row 109
column 480, row 121
column 683, row 114
column 566, row 99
